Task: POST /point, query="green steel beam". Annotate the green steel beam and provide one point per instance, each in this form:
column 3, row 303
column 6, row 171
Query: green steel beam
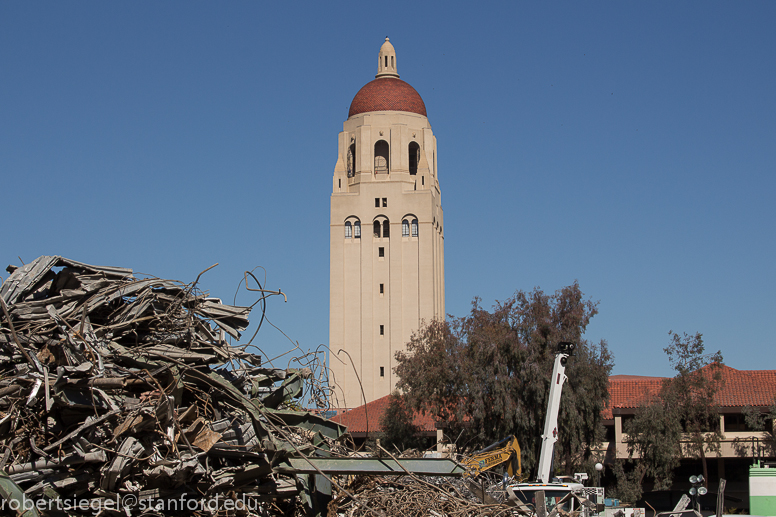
column 372, row 466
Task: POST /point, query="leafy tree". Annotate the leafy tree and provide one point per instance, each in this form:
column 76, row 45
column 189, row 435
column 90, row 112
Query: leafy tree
column 683, row 419
column 763, row 420
column 628, row 485
column 397, row 424
column 487, row 374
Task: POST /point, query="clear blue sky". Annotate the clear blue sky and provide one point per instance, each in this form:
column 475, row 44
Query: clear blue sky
column 628, row 145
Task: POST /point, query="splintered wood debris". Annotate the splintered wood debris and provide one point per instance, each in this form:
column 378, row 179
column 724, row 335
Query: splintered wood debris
column 122, row 396
column 115, row 389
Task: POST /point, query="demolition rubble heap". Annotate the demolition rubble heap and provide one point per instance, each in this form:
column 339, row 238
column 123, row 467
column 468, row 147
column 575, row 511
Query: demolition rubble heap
column 113, row 386
column 121, row 396
column 413, row 496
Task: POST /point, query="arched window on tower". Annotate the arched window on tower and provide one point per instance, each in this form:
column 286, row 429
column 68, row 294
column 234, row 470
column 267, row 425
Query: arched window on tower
column 357, row 229
column 414, row 157
column 405, row 228
column 352, row 160
column 376, row 228
column 414, row 227
column 348, row 230
column 381, row 157
column 386, row 229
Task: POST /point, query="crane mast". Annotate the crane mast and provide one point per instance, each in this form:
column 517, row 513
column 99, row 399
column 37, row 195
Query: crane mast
column 550, row 434
column 556, row 495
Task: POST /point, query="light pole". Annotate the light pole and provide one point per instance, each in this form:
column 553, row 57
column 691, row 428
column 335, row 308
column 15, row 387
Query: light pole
column 697, row 490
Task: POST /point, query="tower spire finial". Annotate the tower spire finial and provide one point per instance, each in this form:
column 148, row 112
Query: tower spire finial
column 386, row 61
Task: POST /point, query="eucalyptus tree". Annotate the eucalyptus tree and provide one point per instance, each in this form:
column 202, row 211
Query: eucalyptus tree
column 486, row 375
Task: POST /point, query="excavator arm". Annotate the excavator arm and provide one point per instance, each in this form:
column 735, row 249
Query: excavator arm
column 506, row 450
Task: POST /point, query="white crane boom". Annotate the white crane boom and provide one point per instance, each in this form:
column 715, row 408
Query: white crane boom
column 550, row 435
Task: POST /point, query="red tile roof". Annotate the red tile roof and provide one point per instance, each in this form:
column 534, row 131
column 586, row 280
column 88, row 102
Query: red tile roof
column 356, row 419
column 630, row 391
column 747, row 387
column 387, row 94
column 739, row 388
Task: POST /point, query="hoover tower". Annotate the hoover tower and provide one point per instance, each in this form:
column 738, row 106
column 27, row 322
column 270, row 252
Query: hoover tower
column 386, row 235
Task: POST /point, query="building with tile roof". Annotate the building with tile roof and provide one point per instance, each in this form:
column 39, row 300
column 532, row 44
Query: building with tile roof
column 740, row 444
column 738, row 388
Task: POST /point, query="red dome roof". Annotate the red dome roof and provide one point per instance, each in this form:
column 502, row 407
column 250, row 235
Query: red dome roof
column 387, row 94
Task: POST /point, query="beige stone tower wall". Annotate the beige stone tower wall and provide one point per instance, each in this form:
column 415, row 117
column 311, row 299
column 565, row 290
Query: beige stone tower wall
column 382, row 287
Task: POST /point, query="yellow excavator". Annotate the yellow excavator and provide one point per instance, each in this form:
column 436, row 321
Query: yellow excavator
column 506, row 450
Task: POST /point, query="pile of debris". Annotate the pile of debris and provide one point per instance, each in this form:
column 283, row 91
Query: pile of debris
column 121, row 396
column 416, row 496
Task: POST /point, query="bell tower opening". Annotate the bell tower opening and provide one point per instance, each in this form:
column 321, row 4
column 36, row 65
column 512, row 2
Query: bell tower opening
column 414, row 152
column 381, row 157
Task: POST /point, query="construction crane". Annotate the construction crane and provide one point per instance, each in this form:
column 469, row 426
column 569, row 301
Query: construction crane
column 568, row 496
column 550, row 434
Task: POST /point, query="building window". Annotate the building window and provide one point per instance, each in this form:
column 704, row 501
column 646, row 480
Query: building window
column 381, row 252
column 414, row 227
column 382, row 371
column 386, row 229
column 385, row 202
column 382, row 288
column 357, row 229
column 736, row 423
column 376, row 228
column 405, row 228
column 414, row 157
column 348, row 230
column 339, row 183
column 377, row 202
column 422, row 180
column 382, row 330
column 381, row 156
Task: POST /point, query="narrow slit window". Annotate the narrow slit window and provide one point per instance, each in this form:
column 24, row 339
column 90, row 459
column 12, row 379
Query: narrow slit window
column 382, row 288
column 382, row 330
column 339, row 183
column 381, row 252
column 382, row 371
column 377, row 202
